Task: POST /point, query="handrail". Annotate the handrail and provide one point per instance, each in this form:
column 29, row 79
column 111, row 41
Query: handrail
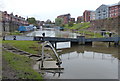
column 53, row 49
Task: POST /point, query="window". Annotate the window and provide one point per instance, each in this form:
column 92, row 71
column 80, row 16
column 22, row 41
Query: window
column 104, row 10
column 98, row 11
column 110, row 15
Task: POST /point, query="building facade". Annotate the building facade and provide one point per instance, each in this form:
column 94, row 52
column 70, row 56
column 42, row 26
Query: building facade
column 79, row 19
column 12, row 22
column 114, row 10
column 86, row 15
column 14, row 18
column 66, row 18
column 102, row 12
column 72, row 20
column 92, row 15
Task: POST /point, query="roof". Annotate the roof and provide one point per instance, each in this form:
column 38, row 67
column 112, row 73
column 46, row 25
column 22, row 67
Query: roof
column 65, row 14
column 115, row 4
column 103, row 5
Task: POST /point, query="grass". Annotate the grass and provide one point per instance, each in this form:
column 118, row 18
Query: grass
column 22, row 65
column 82, row 27
column 79, row 26
column 15, row 33
column 90, row 34
column 28, row 46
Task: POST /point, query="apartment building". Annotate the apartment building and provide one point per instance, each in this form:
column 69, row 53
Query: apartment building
column 72, row 20
column 12, row 22
column 16, row 19
column 79, row 19
column 66, row 18
column 92, row 15
column 114, row 10
column 102, row 12
column 86, row 15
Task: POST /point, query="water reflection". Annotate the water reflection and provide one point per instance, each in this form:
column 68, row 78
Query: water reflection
column 99, row 49
column 88, row 62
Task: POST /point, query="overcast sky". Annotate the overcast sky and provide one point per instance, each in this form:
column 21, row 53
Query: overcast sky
column 50, row 9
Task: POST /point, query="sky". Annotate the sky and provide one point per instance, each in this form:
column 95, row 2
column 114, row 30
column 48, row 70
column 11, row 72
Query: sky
column 50, row 9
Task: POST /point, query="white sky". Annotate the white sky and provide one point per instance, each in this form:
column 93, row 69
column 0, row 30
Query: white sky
column 50, row 9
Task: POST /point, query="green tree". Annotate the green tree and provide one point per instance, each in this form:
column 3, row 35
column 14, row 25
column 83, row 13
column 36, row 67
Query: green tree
column 70, row 24
column 58, row 21
column 32, row 20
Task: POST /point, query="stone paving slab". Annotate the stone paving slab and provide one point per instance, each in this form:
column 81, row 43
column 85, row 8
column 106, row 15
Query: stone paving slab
column 48, row 65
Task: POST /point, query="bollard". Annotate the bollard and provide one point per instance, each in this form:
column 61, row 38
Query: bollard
column 14, row 37
column 3, row 37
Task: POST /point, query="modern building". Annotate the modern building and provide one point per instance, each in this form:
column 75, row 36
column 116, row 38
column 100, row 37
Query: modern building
column 92, row 15
column 102, row 12
column 72, row 20
column 66, row 18
column 79, row 19
column 86, row 15
column 114, row 10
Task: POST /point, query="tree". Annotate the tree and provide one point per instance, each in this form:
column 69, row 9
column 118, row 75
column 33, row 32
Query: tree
column 70, row 24
column 58, row 21
column 31, row 20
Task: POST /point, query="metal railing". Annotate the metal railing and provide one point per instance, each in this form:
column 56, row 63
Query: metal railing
column 53, row 49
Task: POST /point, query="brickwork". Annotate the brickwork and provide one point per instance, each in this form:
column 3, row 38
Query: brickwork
column 86, row 15
column 11, row 22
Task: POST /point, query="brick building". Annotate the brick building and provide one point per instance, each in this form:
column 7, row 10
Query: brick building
column 72, row 20
column 12, row 22
column 17, row 19
column 114, row 10
column 79, row 19
column 86, row 15
column 66, row 18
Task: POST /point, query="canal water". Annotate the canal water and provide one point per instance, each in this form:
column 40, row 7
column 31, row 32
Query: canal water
column 87, row 62
column 54, row 33
column 98, row 61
